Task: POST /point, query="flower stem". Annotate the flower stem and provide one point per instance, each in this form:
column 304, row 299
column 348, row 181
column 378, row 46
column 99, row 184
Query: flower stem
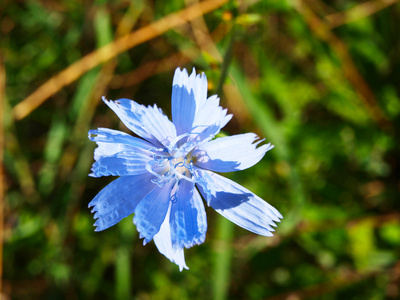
column 223, row 255
column 223, row 243
column 226, row 62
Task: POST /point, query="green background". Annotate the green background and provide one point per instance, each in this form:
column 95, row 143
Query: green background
column 318, row 79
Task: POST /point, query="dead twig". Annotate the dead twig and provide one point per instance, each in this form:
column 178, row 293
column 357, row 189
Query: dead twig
column 322, row 30
column 77, row 69
column 358, row 12
column 346, row 278
column 2, row 177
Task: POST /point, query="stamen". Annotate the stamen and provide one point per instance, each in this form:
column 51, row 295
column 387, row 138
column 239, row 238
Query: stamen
column 175, row 162
column 179, row 164
column 177, row 139
column 174, row 199
column 180, row 150
column 157, row 149
column 182, row 176
column 159, row 159
column 174, row 191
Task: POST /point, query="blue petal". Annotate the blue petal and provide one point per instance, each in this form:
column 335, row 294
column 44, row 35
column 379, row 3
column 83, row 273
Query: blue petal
column 119, row 199
column 232, row 153
column 206, row 182
column 185, row 143
column 123, row 163
column 105, row 135
column 211, row 113
column 151, row 211
column 185, row 89
column 239, row 205
column 111, row 142
column 190, row 106
column 188, row 218
column 163, row 241
column 147, row 122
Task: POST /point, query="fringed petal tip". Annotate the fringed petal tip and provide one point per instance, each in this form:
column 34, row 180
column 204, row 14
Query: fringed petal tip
column 141, row 235
column 175, row 255
column 273, row 224
column 99, row 170
column 268, row 234
column 182, row 266
column 96, row 225
column 194, row 242
column 182, row 77
column 227, row 118
column 95, row 172
column 269, row 147
column 276, row 215
column 93, row 209
column 92, row 134
column 106, row 101
column 269, row 228
column 145, row 240
column 96, row 218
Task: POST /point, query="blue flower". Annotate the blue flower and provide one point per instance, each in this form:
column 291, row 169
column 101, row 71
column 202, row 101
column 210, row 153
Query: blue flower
column 165, row 171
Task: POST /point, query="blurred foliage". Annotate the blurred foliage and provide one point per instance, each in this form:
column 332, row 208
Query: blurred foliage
column 319, row 79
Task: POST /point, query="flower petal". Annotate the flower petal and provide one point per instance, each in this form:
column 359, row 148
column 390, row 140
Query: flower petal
column 211, row 113
column 232, row 153
column 185, row 143
column 162, row 239
column 190, row 106
column 119, row 154
column 150, row 212
column 147, row 122
column 188, row 217
column 111, row 142
column 239, row 205
column 185, row 90
column 119, row 199
column 123, row 163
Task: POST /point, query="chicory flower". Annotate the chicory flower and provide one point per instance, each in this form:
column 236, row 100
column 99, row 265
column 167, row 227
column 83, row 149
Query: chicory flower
column 165, row 172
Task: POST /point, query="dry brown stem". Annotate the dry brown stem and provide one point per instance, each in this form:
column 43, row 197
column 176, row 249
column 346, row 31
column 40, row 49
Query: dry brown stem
column 77, row 69
column 322, row 30
column 358, row 12
column 2, row 177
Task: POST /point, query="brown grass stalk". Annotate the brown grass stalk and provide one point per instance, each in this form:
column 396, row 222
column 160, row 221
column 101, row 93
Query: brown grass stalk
column 2, row 177
column 322, row 30
column 344, row 279
column 203, row 36
column 77, row 69
column 357, row 12
column 147, row 70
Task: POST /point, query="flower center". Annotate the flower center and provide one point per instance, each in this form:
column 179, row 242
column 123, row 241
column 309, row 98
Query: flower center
column 167, row 167
column 175, row 161
column 181, row 165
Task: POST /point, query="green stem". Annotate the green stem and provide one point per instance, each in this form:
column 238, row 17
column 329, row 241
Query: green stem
column 223, row 242
column 223, row 255
column 123, row 273
column 226, row 62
